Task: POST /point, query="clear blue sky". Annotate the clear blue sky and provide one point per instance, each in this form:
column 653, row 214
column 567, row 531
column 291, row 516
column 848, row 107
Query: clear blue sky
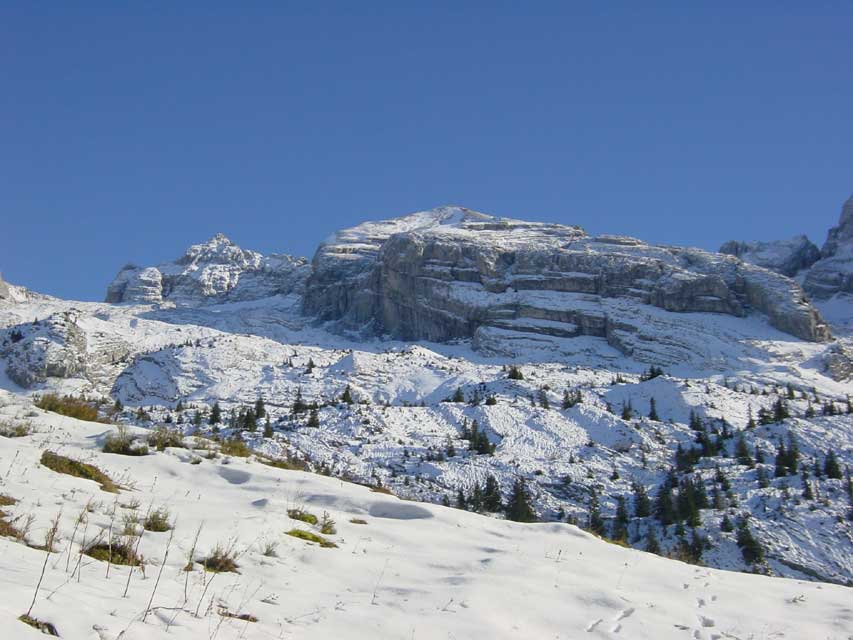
column 128, row 134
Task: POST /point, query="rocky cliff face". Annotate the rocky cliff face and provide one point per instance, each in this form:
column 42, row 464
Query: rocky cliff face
column 833, row 273
column 787, row 257
column 214, row 272
column 451, row 273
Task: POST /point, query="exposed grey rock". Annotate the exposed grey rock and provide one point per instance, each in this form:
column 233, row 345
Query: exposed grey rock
column 444, row 274
column 833, row 273
column 787, row 257
column 838, row 362
column 214, row 272
column 54, row 347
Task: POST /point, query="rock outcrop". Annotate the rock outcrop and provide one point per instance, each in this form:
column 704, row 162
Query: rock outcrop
column 447, row 273
column 833, row 273
column 54, row 347
column 787, row 257
column 214, row 272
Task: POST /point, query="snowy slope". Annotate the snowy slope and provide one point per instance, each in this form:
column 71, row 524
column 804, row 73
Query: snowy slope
column 412, row 571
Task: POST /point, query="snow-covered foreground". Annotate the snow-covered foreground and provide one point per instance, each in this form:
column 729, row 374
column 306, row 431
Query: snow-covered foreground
column 412, row 571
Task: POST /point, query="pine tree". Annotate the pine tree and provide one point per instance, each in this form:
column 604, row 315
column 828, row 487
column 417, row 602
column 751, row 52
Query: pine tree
column 792, row 459
column 268, row 432
column 518, row 507
column 596, row 522
column 458, row 396
column 492, row 500
column 299, row 405
column 461, row 502
column 249, row 423
column 781, row 461
column 450, row 449
column 763, row 480
column 652, row 544
column 215, row 414
column 310, row 366
column 750, row 423
column 664, row 510
column 118, row 406
column 313, row 418
column 180, row 406
column 808, row 493
column 653, row 413
column 742, row 452
column 346, row 396
column 260, row 408
column 626, row 411
column 695, row 421
column 642, row 504
column 726, row 524
column 571, row 398
column 620, row 524
column 831, row 467
column 750, row 548
column 515, row 373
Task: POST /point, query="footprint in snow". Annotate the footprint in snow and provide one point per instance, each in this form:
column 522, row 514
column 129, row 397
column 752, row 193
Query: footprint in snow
column 592, row 625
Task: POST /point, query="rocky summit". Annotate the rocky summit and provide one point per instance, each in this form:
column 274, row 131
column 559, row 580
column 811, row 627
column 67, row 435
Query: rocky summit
column 213, row 272
column 788, row 257
column 453, row 273
column 833, row 273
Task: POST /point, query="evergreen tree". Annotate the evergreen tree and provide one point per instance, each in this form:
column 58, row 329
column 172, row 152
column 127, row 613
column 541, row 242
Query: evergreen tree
column 299, row 405
column 118, row 406
column 726, row 524
column 475, row 502
column 642, row 504
column 759, row 455
column 664, row 510
column 518, row 507
column 215, row 414
column 626, row 411
column 596, row 522
column 310, row 366
column 781, row 461
column 571, row 398
column 458, row 396
column 695, row 421
column 250, row 422
column 620, row 524
column 652, row 544
column 831, row 467
column 268, row 432
column 792, row 459
column 461, row 502
column 313, row 418
column 346, row 396
column 763, row 480
column 750, row 424
column 780, row 410
column 492, row 500
column 653, row 413
column 750, row 548
column 515, row 373
column 809, row 411
column 180, row 406
column 742, row 452
column 808, row 493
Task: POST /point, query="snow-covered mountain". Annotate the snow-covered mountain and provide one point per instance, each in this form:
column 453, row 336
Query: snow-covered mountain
column 833, row 273
column 787, row 257
column 407, row 332
column 451, row 273
column 213, row 272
